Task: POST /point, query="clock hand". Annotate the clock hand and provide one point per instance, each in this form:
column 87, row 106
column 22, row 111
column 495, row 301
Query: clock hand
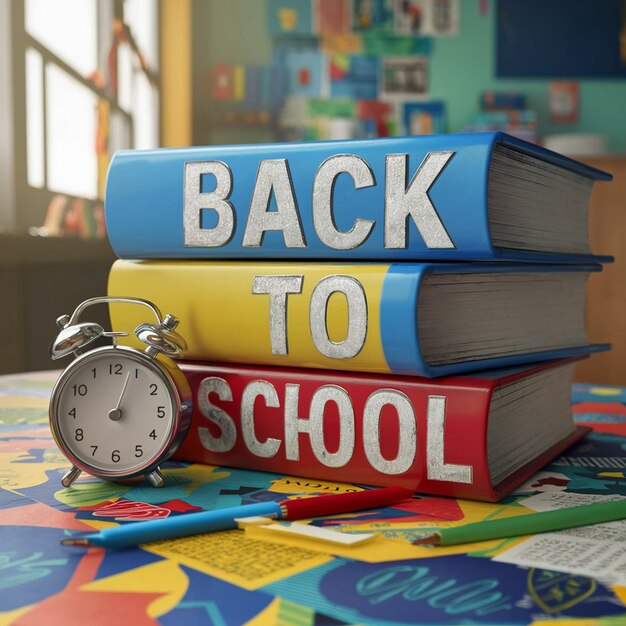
column 116, row 413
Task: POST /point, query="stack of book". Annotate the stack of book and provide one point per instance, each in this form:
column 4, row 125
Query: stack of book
column 401, row 311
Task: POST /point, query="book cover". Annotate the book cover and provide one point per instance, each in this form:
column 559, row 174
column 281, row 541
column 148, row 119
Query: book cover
column 424, row 118
column 373, row 17
column 402, row 318
column 332, row 16
column 286, row 18
column 404, row 78
column 409, row 17
column 407, row 198
column 307, row 73
column 434, row 437
column 426, row 18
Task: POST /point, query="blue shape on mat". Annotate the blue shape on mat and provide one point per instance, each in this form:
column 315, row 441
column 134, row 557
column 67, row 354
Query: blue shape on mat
column 33, row 565
column 229, row 604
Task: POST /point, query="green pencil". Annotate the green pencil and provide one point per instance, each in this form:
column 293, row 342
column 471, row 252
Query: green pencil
column 528, row 524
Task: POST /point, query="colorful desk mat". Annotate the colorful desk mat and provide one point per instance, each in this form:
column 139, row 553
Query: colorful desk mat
column 250, row 577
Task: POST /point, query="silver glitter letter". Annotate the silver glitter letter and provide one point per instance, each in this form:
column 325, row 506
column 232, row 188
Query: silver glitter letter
column 293, row 424
column 401, row 202
column 352, row 289
column 278, row 287
column 436, row 467
column 323, row 186
column 407, row 431
column 332, row 393
column 228, row 438
column 196, row 200
column 269, row 448
column 273, row 176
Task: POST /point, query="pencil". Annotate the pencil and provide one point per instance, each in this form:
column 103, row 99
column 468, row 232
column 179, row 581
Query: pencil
column 532, row 523
column 226, row 519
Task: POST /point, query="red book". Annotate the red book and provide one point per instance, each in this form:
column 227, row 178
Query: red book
column 475, row 437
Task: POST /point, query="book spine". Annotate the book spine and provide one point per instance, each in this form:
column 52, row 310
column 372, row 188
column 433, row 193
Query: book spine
column 395, row 199
column 323, row 315
column 385, row 431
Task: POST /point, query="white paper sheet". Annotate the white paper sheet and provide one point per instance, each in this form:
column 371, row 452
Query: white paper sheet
column 598, row 551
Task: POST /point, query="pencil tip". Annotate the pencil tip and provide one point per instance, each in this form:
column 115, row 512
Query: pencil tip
column 76, row 541
column 428, row 540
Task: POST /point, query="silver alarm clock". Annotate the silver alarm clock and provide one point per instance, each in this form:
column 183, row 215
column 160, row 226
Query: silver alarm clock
column 117, row 412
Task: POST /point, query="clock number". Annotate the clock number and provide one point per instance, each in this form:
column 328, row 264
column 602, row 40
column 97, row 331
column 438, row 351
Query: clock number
column 115, row 369
column 153, row 435
column 94, row 372
column 79, row 435
column 93, row 450
column 79, row 390
column 160, row 412
column 115, row 456
column 138, row 451
column 73, row 413
column 153, row 389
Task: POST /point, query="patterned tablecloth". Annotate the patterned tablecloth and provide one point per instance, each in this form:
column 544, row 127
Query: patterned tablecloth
column 252, row 577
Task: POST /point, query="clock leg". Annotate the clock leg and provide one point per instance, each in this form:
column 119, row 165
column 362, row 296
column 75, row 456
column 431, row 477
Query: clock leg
column 155, row 478
column 71, row 475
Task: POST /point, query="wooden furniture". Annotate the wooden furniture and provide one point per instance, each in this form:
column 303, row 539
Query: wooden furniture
column 606, row 294
column 41, row 278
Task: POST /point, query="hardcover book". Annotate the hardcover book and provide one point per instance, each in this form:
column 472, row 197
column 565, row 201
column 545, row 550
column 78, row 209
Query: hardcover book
column 474, row 437
column 476, row 196
column 403, row 318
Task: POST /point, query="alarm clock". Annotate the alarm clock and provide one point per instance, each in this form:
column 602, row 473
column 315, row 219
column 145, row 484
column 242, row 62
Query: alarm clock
column 117, row 412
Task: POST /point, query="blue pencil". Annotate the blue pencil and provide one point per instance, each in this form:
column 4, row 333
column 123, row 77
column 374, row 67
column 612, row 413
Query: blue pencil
column 225, row 519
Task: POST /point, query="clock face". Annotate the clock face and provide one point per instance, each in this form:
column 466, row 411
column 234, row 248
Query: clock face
column 114, row 411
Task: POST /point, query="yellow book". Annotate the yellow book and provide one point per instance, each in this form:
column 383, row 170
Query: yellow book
column 405, row 318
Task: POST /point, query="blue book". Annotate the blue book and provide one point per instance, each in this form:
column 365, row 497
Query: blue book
column 456, row 197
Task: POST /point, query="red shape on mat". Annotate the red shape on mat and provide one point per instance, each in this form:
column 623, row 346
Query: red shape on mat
column 606, row 408
column 612, row 428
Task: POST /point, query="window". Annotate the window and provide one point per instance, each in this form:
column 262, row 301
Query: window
column 85, row 83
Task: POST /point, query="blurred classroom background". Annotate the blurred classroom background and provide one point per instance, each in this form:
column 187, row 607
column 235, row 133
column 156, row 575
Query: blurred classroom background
column 80, row 79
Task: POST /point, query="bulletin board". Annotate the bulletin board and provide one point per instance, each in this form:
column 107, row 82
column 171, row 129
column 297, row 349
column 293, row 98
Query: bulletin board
column 560, row 39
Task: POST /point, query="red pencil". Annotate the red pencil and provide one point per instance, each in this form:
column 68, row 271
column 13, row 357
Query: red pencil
column 318, row 506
